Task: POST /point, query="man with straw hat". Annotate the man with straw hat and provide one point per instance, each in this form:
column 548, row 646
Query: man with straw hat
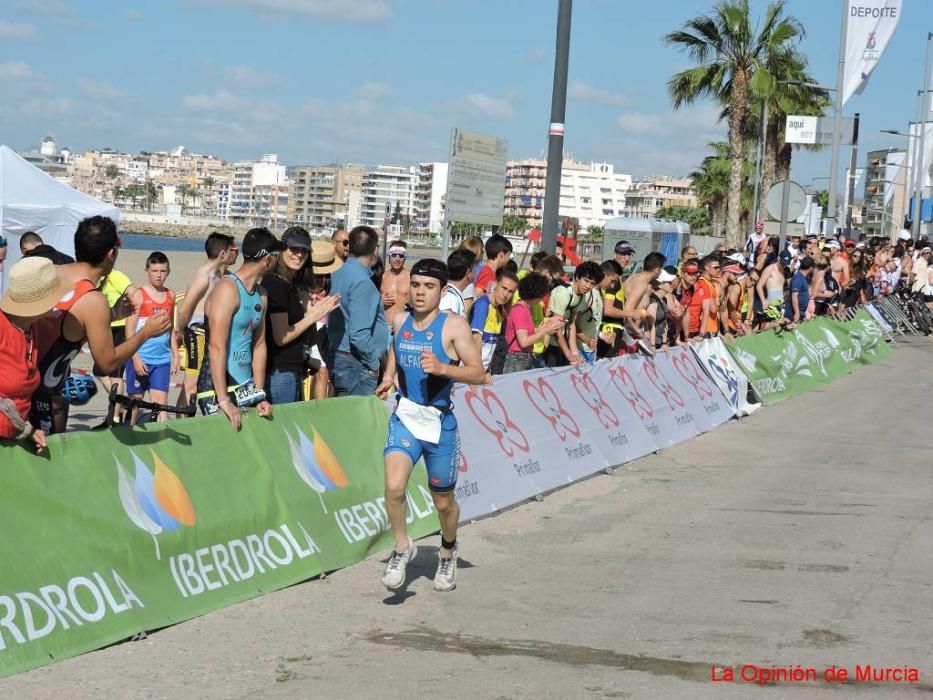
column 33, row 289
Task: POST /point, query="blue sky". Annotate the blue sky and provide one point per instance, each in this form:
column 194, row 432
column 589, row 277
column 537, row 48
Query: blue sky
column 382, row 81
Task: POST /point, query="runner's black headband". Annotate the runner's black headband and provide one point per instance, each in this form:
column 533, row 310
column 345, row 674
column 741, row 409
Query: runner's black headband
column 428, row 267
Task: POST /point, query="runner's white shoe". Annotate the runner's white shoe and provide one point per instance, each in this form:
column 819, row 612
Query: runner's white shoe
column 446, row 577
column 397, row 566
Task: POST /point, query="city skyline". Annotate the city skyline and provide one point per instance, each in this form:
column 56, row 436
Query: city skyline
column 375, row 81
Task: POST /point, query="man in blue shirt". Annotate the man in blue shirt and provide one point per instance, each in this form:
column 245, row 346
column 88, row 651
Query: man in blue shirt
column 799, row 295
column 357, row 330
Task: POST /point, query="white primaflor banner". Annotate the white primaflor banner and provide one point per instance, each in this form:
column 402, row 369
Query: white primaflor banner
column 870, row 24
column 531, row 432
column 723, row 369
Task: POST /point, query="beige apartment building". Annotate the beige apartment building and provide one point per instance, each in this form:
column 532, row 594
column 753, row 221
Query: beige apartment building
column 323, row 197
column 885, row 201
column 655, row 192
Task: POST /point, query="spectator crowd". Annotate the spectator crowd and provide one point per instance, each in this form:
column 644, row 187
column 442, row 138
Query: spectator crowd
column 276, row 320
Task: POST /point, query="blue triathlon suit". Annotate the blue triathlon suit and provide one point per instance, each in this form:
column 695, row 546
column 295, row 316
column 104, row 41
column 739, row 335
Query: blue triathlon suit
column 246, row 319
column 443, row 459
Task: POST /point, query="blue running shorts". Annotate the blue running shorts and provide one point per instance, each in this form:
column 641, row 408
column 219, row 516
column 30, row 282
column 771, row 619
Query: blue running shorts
column 441, row 460
column 159, row 378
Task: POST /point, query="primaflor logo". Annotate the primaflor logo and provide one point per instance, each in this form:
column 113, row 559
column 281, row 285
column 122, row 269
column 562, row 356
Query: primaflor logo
column 316, row 463
column 154, row 501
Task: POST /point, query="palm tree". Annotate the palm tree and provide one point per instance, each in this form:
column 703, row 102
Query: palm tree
column 184, row 191
column 731, row 68
column 784, row 99
column 711, row 181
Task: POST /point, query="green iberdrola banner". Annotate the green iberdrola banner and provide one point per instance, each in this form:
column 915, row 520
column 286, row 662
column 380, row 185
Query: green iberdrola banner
column 115, row 533
column 787, row 363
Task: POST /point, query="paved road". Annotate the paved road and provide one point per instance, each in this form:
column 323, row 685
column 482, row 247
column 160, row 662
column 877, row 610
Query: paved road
column 800, row 535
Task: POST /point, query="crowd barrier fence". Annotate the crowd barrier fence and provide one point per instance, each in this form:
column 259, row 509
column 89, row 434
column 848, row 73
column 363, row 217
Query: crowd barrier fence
column 114, row 533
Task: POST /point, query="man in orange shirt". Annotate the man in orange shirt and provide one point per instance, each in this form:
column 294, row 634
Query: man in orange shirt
column 704, row 305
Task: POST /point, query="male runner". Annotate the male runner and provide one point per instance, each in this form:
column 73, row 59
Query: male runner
column 770, row 286
column 189, row 322
column 431, row 350
column 637, row 288
column 82, row 315
column 395, row 281
column 235, row 362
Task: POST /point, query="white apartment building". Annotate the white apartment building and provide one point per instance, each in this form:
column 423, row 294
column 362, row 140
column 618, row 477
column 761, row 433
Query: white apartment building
column 222, row 204
column 430, row 197
column 137, row 169
column 592, row 193
column 259, row 191
column 387, row 186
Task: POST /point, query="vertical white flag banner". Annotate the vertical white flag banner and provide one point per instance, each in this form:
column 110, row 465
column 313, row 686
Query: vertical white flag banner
column 859, row 186
column 893, row 164
column 870, row 26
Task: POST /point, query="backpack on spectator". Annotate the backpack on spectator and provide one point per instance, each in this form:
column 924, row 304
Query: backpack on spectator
column 497, row 361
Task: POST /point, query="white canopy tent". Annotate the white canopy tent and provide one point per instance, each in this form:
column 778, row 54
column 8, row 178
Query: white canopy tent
column 31, row 200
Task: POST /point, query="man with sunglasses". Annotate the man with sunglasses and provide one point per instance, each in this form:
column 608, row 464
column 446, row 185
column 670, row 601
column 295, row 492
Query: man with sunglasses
column 341, row 241
column 396, row 281
column 233, row 373
column 82, row 315
column 222, row 252
column 704, row 304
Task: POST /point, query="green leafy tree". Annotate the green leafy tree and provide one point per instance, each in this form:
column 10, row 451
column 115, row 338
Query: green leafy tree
column 512, row 224
column 111, row 172
column 731, row 58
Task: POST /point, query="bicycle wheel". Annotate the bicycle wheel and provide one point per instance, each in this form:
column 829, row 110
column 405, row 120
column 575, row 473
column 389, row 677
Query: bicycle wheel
column 920, row 319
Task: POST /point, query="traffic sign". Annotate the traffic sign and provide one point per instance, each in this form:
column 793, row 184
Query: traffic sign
column 796, row 201
column 817, row 130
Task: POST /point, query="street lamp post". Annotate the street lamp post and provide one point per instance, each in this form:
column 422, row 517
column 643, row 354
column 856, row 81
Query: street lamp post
column 837, row 122
column 555, row 153
column 921, row 119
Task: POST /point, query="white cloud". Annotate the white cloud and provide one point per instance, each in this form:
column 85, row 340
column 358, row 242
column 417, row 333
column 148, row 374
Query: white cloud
column 373, row 91
column 17, row 71
column 17, row 32
column 579, row 90
column 59, row 11
column 486, row 106
column 352, row 11
column 701, row 120
column 246, row 77
column 536, row 55
column 99, row 89
column 218, row 101
column 132, row 15
column 670, row 143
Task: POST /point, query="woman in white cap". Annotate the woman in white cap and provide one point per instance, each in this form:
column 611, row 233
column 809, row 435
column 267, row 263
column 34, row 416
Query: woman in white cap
column 33, row 289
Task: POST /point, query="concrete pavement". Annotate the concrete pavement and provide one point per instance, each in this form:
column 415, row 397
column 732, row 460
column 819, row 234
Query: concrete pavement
column 797, row 537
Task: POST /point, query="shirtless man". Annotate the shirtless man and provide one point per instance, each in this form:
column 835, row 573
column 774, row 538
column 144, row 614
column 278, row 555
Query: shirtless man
column 396, row 281
column 838, row 263
column 637, row 289
column 83, row 314
column 189, row 321
column 770, row 285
